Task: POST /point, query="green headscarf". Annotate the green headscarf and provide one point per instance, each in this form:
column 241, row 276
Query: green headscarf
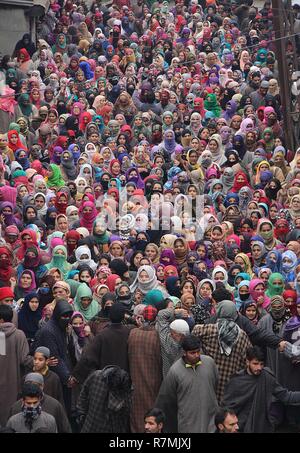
column 211, row 104
column 25, row 108
column 60, row 261
column 14, row 126
column 275, row 290
column 100, row 238
column 93, row 308
column 56, row 180
column 74, row 285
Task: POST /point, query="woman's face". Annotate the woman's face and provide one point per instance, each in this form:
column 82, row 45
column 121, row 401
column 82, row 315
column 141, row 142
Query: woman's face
column 85, row 277
column 144, row 277
column 179, row 247
column 62, row 224
column 205, row 291
column 250, row 312
column 25, row 281
column 151, row 253
column 77, row 321
column 39, row 202
column 192, row 192
column 34, row 304
column 137, row 259
column 30, row 213
column 238, row 260
column 201, row 251
column 219, row 277
column 187, row 288
column 116, row 250
column 213, row 146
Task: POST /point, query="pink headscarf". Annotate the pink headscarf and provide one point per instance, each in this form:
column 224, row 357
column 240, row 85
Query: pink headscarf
column 8, row 102
column 87, row 219
column 256, row 294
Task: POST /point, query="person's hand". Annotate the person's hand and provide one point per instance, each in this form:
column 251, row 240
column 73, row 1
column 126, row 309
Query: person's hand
column 13, row 282
column 53, row 361
column 2, row 219
column 260, row 300
column 72, row 382
column 87, row 331
column 282, row 346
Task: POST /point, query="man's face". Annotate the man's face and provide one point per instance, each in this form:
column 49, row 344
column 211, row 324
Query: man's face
column 39, row 362
column 230, row 424
column 192, row 357
column 31, row 401
column 254, row 367
column 151, row 426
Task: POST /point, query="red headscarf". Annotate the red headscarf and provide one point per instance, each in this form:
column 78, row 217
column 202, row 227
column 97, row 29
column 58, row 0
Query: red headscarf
column 6, row 269
column 111, row 282
column 18, row 145
column 25, row 54
column 38, row 167
column 112, row 162
column 82, row 123
column 291, row 293
column 238, row 185
column 87, row 219
column 72, row 234
column 24, row 246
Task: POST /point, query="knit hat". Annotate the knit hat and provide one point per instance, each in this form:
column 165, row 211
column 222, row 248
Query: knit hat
column 43, row 350
column 153, row 297
column 149, row 313
column 116, row 313
column 180, row 326
column 37, row 378
column 5, row 292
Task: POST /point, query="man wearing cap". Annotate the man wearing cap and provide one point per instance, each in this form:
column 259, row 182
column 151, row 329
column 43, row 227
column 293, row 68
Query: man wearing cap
column 171, row 332
column 258, row 97
column 31, row 417
column 52, row 384
column 14, row 354
column 145, row 366
column 48, row 404
column 188, row 393
column 7, row 298
column 109, row 347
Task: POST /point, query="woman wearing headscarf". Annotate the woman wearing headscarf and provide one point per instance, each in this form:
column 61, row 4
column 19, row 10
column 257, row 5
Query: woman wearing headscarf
column 257, row 289
column 275, row 322
column 181, row 249
column 289, row 264
column 83, row 256
column 225, row 342
column 26, row 284
column 54, row 178
column 258, row 253
column 84, row 302
column 59, row 260
column 243, row 260
column 67, row 166
column 87, row 214
column 29, row 316
column 146, row 280
column 216, row 148
column 265, row 229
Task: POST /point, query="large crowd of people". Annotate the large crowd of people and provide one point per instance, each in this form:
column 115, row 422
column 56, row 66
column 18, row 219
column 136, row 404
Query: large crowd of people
column 149, row 222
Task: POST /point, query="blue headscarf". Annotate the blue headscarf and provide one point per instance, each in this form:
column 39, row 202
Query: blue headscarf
column 277, row 265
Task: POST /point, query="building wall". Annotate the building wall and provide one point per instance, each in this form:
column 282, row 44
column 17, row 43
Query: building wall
column 13, row 25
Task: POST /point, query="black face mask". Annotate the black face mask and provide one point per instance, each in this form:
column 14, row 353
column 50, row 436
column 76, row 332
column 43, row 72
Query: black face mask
column 73, row 191
column 141, row 244
column 105, row 311
column 244, row 297
column 63, row 323
column 104, row 185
